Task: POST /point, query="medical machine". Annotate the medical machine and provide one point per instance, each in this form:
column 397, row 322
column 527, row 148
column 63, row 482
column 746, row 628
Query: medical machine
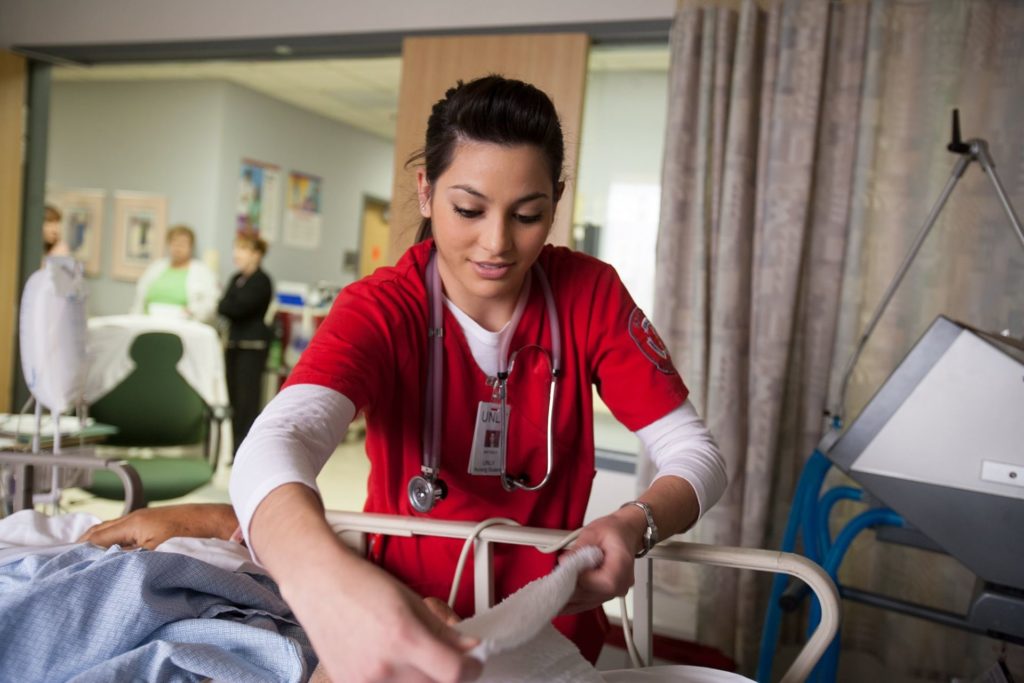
column 942, row 441
column 297, row 311
column 939, row 452
column 942, row 445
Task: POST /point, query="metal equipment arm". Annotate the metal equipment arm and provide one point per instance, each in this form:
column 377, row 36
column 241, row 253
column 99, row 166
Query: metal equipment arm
column 975, row 149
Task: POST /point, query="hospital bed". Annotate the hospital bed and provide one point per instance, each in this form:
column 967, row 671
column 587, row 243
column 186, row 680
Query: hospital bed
column 353, row 527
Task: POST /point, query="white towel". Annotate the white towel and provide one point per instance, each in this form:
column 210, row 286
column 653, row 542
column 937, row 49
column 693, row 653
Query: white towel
column 518, row 643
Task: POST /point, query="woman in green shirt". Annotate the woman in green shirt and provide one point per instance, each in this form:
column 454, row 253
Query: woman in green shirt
column 178, row 283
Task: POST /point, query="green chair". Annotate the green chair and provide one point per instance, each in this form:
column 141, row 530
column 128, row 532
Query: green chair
column 155, row 407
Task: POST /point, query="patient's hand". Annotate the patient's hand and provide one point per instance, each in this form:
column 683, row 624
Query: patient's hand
column 619, row 537
column 149, row 527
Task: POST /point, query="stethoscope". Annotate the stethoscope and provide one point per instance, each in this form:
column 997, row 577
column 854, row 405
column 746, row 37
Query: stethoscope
column 427, row 488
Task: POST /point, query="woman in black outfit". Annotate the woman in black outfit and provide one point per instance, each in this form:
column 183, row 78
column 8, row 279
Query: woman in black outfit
column 245, row 304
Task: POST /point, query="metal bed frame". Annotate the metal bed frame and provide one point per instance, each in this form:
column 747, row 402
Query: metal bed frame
column 352, row 526
column 76, row 458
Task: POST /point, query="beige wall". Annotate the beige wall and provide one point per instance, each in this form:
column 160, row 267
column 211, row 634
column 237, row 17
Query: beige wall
column 13, row 80
column 554, row 62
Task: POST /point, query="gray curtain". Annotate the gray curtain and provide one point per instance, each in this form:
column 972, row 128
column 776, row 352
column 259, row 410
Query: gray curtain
column 805, row 145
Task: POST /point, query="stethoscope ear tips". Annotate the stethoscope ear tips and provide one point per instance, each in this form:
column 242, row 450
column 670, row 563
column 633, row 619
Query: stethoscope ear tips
column 424, row 493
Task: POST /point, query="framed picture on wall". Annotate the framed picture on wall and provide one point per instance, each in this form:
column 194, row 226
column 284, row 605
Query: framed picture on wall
column 303, row 218
column 139, row 224
column 259, row 199
column 82, row 224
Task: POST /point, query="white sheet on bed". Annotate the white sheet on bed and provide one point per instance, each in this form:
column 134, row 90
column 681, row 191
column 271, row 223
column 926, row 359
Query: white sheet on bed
column 30, row 533
column 29, row 528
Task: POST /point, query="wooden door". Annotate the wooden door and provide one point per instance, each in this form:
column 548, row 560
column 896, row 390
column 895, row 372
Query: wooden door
column 13, row 84
column 373, row 240
column 555, row 62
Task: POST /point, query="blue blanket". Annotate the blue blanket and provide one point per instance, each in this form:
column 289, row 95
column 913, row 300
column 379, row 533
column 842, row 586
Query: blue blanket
column 90, row 614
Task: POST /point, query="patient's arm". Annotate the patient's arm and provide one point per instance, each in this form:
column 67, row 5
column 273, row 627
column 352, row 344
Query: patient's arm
column 149, row 527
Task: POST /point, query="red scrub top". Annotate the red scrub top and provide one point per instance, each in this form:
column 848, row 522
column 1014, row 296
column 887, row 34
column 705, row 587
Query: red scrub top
column 373, row 349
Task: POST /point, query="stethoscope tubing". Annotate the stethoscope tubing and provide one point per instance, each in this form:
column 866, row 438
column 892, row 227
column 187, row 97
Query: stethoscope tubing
column 433, row 418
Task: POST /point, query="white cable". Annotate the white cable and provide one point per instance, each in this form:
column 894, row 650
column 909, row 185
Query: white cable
column 493, row 521
column 627, row 635
column 634, row 655
column 461, row 565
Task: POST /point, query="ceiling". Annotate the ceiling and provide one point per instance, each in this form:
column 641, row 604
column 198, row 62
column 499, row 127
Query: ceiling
column 360, row 92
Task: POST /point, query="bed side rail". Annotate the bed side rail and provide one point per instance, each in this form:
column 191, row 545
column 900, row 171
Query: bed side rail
column 676, row 551
column 77, row 458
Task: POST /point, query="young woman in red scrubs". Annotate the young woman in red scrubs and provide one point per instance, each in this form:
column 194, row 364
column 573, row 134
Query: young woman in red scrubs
column 488, row 187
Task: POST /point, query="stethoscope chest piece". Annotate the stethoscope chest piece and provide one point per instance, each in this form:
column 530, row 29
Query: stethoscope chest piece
column 424, row 493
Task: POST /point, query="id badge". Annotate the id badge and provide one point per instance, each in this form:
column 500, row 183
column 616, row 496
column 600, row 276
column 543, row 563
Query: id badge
column 488, row 437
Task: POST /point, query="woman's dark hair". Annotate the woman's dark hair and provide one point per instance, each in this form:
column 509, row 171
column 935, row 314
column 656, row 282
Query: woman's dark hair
column 490, row 109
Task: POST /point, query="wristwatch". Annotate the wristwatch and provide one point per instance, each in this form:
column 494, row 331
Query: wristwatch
column 651, row 533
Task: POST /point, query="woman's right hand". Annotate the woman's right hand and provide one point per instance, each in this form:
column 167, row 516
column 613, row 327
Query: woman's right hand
column 369, row 627
column 364, row 625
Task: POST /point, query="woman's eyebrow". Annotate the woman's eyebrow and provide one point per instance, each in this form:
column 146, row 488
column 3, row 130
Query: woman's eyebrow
column 476, row 193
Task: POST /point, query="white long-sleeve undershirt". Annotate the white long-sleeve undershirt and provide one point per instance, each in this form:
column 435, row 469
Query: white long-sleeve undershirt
column 299, row 429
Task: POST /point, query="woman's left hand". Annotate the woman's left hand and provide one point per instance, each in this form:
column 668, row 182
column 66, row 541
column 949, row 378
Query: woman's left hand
column 619, row 536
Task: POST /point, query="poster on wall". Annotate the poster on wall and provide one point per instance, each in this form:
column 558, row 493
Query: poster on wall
column 303, row 218
column 139, row 224
column 81, row 224
column 259, row 193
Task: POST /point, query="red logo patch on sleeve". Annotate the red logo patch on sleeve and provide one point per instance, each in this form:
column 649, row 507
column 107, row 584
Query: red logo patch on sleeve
column 647, row 340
